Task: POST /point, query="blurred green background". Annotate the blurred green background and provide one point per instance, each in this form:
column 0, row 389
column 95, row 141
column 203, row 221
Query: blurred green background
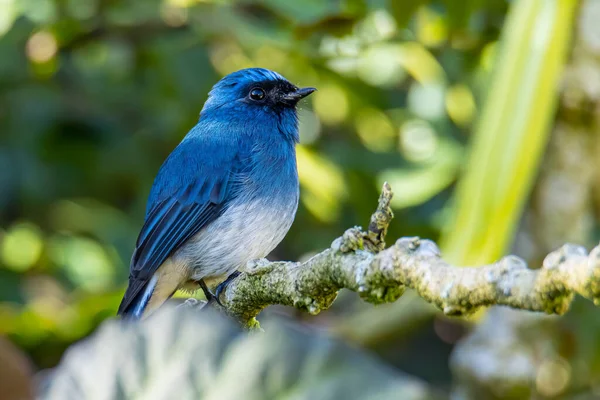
column 482, row 114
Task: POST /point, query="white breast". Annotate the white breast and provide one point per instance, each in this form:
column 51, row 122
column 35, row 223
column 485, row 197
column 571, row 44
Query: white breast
column 247, row 230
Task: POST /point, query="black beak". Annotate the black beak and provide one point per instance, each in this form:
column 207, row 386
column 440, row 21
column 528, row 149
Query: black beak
column 297, row 95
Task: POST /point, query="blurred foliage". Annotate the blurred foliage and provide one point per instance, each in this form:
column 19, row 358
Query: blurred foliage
column 512, row 132
column 159, row 359
column 95, row 94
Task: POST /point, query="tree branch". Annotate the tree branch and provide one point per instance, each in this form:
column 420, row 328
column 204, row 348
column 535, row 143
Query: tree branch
column 358, row 261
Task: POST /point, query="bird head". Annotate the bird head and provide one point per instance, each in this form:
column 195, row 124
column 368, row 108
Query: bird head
column 255, row 93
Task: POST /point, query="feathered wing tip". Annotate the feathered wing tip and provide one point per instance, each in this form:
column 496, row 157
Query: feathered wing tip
column 136, row 298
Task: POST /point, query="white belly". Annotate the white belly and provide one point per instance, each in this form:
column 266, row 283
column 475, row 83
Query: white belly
column 247, row 230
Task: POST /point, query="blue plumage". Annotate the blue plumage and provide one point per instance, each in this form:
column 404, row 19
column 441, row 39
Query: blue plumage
column 227, row 194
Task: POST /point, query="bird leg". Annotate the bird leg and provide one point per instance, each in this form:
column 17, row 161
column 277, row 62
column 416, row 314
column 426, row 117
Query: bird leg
column 207, row 293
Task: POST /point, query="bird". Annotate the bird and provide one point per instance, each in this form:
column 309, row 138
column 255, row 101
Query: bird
column 227, row 194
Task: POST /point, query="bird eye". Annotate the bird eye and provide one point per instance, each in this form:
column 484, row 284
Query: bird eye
column 257, row 94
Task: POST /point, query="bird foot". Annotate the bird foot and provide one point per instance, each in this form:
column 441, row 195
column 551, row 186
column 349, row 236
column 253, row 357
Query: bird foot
column 193, row 304
column 223, row 285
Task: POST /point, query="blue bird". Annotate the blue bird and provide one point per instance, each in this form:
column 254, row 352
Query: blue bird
column 226, row 195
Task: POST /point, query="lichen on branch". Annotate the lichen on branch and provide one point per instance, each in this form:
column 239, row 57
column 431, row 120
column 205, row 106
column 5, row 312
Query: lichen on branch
column 358, row 261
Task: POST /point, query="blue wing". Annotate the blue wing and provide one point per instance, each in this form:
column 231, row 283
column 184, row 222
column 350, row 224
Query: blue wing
column 192, row 188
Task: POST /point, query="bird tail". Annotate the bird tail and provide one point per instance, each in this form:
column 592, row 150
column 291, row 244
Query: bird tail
column 133, row 308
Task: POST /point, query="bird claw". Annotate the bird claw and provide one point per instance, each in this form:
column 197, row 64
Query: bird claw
column 223, row 285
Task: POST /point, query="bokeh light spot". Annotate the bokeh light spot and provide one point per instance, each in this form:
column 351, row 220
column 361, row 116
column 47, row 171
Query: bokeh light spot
column 228, row 57
column 8, row 13
column 331, row 104
column 380, row 65
column 377, row 26
column 375, row 130
column 85, row 262
column 420, row 63
column 181, row 3
column 331, row 46
column 553, row 376
column 22, row 246
column 418, row 141
column 431, row 27
column 460, row 104
column 488, row 56
column 271, row 58
column 173, row 15
column 41, row 47
column 323, row 185
column 427, row 101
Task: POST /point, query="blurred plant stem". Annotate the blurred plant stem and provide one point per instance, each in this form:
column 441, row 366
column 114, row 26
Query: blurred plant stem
column 512, row 132
column 519, row 349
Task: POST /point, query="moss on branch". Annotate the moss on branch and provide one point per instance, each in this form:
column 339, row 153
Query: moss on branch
column 358, row 261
